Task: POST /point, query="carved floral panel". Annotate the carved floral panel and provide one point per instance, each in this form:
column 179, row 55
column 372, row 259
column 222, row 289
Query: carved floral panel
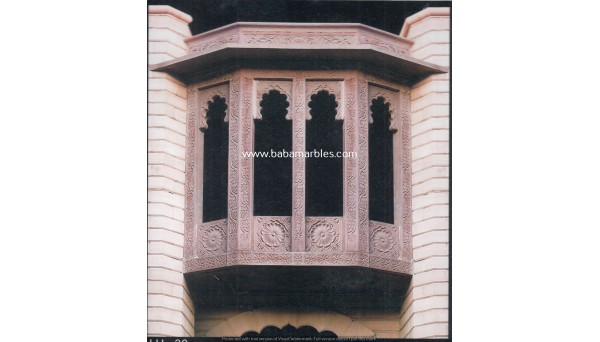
column 323, row 234
column 384, row 240
column 272, row 233
column 212, row 238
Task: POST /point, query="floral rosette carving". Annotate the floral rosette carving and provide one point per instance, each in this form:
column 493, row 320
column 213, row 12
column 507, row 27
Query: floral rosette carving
column 273, row 234
column 383, row 240
column 213, row 238
column 323, row 236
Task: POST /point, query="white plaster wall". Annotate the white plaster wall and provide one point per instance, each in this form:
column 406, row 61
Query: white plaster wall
column 425, row 311
column 170, row 309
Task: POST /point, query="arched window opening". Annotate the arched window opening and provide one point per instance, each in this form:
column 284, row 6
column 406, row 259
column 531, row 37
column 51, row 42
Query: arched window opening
column 290, row 331
column 273, row 169
column 381, row 163
column 216, row 146
column 324, row 169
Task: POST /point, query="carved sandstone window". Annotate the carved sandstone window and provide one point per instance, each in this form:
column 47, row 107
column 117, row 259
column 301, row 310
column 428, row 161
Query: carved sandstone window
column 216, row 146
column 381, row 159
column 273, row 176
column 324, row 176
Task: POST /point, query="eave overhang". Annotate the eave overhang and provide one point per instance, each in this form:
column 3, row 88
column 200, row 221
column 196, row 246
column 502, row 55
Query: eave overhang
column 297, row 46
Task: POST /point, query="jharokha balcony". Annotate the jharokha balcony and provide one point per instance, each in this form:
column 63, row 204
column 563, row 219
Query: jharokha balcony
column 313, row 225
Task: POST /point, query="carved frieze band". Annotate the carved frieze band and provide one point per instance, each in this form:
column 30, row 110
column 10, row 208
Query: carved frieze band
column 290, row 39
column 323, row 234
column 214, row 43
column 207, row 263
column 308, row 259
column 298, row 166
column 388, row 46
column 333, row 87
column 272, row 233
column 264, row 87
column 390, row 96
column 206, row 95
column 258, row 38
column 246, row 173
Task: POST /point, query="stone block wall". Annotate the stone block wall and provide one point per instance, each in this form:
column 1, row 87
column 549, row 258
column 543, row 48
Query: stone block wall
column 426, row 310
column 170, row 309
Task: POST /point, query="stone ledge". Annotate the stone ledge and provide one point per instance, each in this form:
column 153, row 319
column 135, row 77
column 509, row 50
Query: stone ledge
column 164, row 9
column 428, row 12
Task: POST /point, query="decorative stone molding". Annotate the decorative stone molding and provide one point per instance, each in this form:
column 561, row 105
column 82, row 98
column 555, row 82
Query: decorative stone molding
column 163, row 9
column 390, row 96
column 427, row 12
column 298, row 36
column 207, row 94
column 212, row 238
column 332, row 87
column 264, row 87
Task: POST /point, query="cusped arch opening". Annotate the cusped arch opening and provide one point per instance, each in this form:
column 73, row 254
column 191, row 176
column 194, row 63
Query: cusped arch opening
column 272, row 323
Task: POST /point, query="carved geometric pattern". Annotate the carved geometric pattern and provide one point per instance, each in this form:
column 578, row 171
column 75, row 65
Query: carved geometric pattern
column 206, row 95
column 323, row 234
column 263, row 87
column 333, row 87
column 212, row 238
column 389, row 96
column 272, row 233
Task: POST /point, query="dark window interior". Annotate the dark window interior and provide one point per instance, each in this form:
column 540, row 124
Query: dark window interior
column 290, row 331
column 324, row 176
column 216, row 145
column 273, row 176
column 381, row 163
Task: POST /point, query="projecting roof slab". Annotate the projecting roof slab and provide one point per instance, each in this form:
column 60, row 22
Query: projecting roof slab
column 299, row 46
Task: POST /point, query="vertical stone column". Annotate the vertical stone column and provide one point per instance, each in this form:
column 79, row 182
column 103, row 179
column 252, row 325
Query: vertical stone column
column 170, row 309
column 425, row 310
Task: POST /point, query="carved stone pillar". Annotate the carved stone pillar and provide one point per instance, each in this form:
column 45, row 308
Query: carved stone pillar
column 298, row 166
